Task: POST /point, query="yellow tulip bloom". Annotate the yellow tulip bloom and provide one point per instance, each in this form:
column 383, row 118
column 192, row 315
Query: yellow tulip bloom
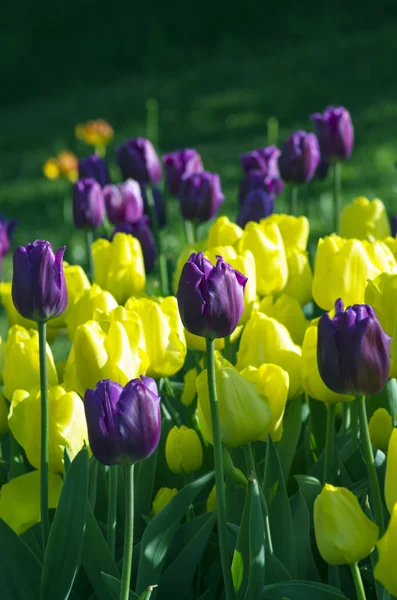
column 163, row 496
column 183, row 450
column 223, row 232
column 381, row 294
column 390, row 478
column 84, row 309
column 294, row 230
column 300, row 276
column 385, row 569
column 380, row 429
column 364, row 220
column 3, row 415
column 189, row 387
column 287, row 311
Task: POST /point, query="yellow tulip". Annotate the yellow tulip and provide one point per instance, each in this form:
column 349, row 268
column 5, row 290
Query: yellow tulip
column 196, row 342
column 119, row 267
column 183, row 450
column 211, row 500
column 287, row 311
column 385, row 569
column 265, row 340
column 312, row 382
column 380, row 429
column 20, row 500
column 381, row 294
column 344, row 535
column 163, row 496
column 390, row 478
column 67, row 425
column 84, row 309
column 391, row 243
column 3, row 415
column 223, row 232
column 22, row 364
column 294, row 230
column 266, row 244
column 51, row 168
column 342, row 268
column 189, row 387
column 300, row 276
column 364, row 220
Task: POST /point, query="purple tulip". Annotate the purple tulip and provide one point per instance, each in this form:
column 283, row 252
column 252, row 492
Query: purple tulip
column 180, row 163
column 38, row 284
column 6, row 232
column 124, row 424
column 322, row 169
column 142, row 232
column 94, row 167
column 124, row 202
column 200, row 196
column 394, row 226
column 353, row 351
column 257, row 205
column 255, row 180
column 264, row 160
column 138, row 160
column 159, row 206
column 88, row 203
column 300, row 157
column 335, row 133
column 210, row 299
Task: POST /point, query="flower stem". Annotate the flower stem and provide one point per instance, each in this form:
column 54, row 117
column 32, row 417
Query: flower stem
column 189, row 232
column 112, row 510
column 337, row 173
column 89, row 238
column 249, row 457
column 370, row 464
column 293, row 200
column 128, row 532
column 219, row 476
column 354, row 426
column 157, row 238
column 329, row 443
column 45, row 524
column 358, row 582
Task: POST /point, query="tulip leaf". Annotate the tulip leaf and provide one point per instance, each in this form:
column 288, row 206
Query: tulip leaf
column 291, row 433
column 256, row 573
column 309, row 487
column 113, row 585
column 65, row 543
column 297, row 590
column 240, row 563
column 275, row 570
column 160, row 531
column 20, row 572
column 280, row 518
column 306, row 567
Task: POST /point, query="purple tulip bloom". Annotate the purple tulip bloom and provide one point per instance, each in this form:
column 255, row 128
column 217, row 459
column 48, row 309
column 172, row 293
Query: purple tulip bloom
column 142, row 232
column 210, row 299
column 255, row 180
column 257, row 205
column 300, row 157
column 124, row 424
column 6, row 232
column 138, row 160
column 335, row 133
column 264, row 160
column 200, row 196
column 124, row 202
column 88, row 203
column 38, row 285
column 94, row 167
column 353, row 351
column 178, row 164
column 159, row 206
column 394, row 226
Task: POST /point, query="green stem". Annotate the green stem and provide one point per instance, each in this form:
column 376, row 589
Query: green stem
column 293, row 200
column 358, row 582
column 249, row 457
column 329, row 443
column 354, row 425
column 45, row 524
column 157, row 238
column 89, row 238
column 219, row 476
column 337, row 173
column 345, row 417
column 128, row 532
column 112, row 510
column 189, row 232
column 370, row 464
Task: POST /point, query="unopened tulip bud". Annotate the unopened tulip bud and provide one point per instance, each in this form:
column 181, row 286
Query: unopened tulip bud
column 96, row 168
column 300, row 157
column 335, row 133
column 183, row 450
column 178, row 164
column 138, row 160
column 88, row 203
column 200, row 196
column 163, row 496
column 380, row 429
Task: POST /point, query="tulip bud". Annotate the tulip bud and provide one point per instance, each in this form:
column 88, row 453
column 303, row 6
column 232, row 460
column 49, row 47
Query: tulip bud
column 178, row 164
column 380, row 429
column 385, row 569
column 262, row 159
column 211, row 500
column 256, row 180
column 124, row 424
column 138, row 160
column 210, row 299
column 142, row 232
column 335, row 133
column 300, row 157
column 183, row 450
column 88, row 203
column 189, row 387
column 344, row 535
column 94, row 167
column 38, row 285
column 163, row 496
column 223, row 232
column 257, row 205
column 124, row 202
column 353, row 351
column 97, row 132
column 200, row 196
column 364, row 220
column 390, row 479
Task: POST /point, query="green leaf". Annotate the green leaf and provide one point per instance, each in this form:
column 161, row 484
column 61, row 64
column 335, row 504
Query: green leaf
column 147, row 594
column 65, row 543
column 291, row 433
column 256, row 574
column 306, row 567
column 160, row 531
column 299, row 590
column 275, row 570
column 113, row 586
column 309, row 487
column 279, row 510
column 20, row 571
column 240, row 563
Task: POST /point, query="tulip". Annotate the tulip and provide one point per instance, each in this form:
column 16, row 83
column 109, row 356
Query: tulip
column 381, row 294
column 189, row 391
column 84, row 309
column 67, row 425
column 380, row 429
column 94, row 167
column 385, row 570
column 63, row 165
column 183, row 450
column 223, row 232
column 20, row 500
column 124, row 424
column 21, row 362
column 364, row 220
column 160, row 211
column 124, row 202
column 119, row 266
column 210, row 299
column 294, row 230
column 300, row 157
column 391, row 463
column 211, row 500
column 343, row 267
column 257, row 205
column 335, row 133
column 353, row 351
column 394, row 226
column 300, row 276
column 98, row 133
column 142, row 232
column 179, row 164
column 88, row 203
column 163, row 496
column 256, row 180
column 3, row 415
column 287, row 311
column 6, row 232
column 344, row 534
column 262, row 159
column 200, row 196
column 138, row 160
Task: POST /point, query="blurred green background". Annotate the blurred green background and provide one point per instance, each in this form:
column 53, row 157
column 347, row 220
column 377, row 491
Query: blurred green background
column 218, row 71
